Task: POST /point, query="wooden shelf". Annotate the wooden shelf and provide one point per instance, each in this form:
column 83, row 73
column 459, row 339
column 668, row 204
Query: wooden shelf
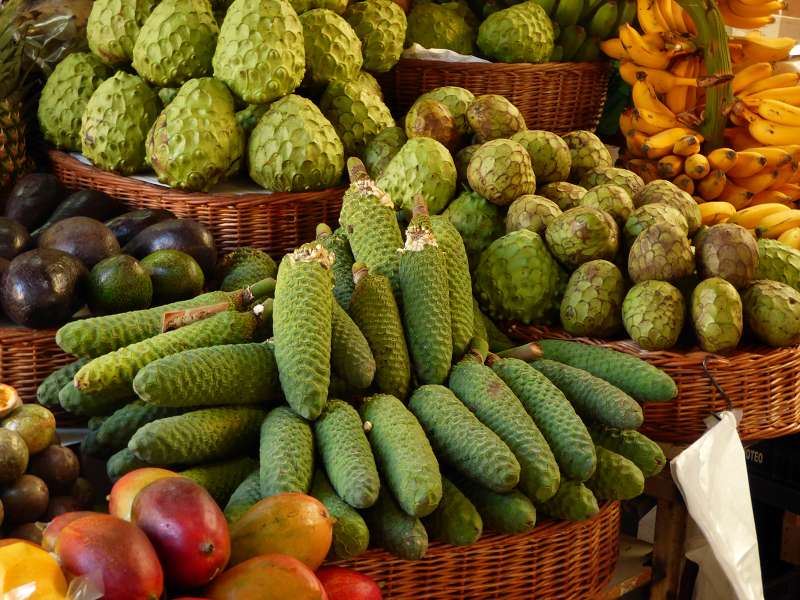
column 631, row 572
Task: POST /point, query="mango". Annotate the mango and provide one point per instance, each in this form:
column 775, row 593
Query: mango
column 22, row 563
column 124, row 492
column 267, row 577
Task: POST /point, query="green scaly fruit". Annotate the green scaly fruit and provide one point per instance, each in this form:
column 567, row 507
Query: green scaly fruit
column 582, row 234
column 612, row 199
column 440, row 26
column 593, row 299
column 47, row 392
column 501, row 172
column 403, row 453
column 778, row 262
column 587, row 152
column 461, row 160
column 268, row 61
column 522, row 33
column 628, row 180
column 176, row 42
column 531, row 212
column 616, row 477
column 113, row 26
column 117, row 430
column 295, row 148
column 195, row 142
column 81, row 403
column 351, row 357
column 65, row 95
column 302, row 328
column 728, row 251
column 772, row 312
column 394, row 530
column 222, row 478
column 301, row 6
column 457, row 100
column 566, row 195
column 248, row 117
column 244, row 266
column 115, row 123
column 122, row 463
column 518, row 280
column 493, row 117
column 333, row 50
column 653, row 314
column 665, row 192
column 243, row 497
column 167, row 95
column 456, row 520
column 717, row 315
column 509, row 513
column 350, row 531
column 431, row 118
column 549, row 154
column 287, row 453
column 650, row 214
column 660, row 252
column 380, row 150
column 487, row 330
column 477, row 220
column 573, row 502
column 635, row 446
column 336, row 243
column 381, row 26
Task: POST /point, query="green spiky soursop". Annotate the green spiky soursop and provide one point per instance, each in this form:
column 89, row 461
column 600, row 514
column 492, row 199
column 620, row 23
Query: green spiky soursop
column 660, row 252
column 772, row 312
column 717, row 315
column 196, row 142
column 333, row 50
column 113, row 26
column 478, row 221
column 356, row 113
column 422, row 166
column 381, row 26
column 445, row 26
column 531, row 212
column 380, row 150
column 778, row 262
column 582, row 234
column 492, row 117
column 566, row 195
column 295, row 148
column 65, row 95
column 522, row 33
column 587, row 152
column 612, row 199
column 629, row 180
column 653, row 313
column 176, row 42
column 260, row 54
column 116, row 121
column 501, row 172
column 517, row 279
column 593, row 299
column 457, row 100
column 549, row 154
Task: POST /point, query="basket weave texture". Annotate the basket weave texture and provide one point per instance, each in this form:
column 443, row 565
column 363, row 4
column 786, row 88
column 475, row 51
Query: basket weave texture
column 763, row 382
column 27, row 356
column 558, row 560
column 557, row 97
column 275, row 223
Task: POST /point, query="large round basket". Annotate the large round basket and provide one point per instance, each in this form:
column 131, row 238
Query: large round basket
column 274, row 222
column 763, row 382
column 27, row 356
column 558, row 97
column 558, row 560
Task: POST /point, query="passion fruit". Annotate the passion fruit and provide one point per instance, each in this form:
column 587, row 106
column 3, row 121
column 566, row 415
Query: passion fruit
column 9, row 400
column 25, row 500
column 34, row 423
column 13, row 456
column 57, row 466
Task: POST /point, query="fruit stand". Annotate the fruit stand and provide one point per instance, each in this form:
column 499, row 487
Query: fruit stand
column 351, row 300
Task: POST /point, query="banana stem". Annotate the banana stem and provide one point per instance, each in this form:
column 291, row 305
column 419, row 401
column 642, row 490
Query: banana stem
column 714, row 40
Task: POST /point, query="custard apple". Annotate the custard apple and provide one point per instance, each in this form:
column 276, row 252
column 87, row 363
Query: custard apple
column 717, row 315
column 587, row 153
column 381, row 27
column 582, row 234
column 301, row 6
column 501, row 172
column 380, row 150
column 431, row 118
column 260, row 54
column 566, row 195
column 368, row 81
column 728, row 251
column 116, row 121
column 650, row 214
column 772, row 312
column 592, row 301
column 549, row 154
column 492, row 117
column 112, row 28
column 457, row 100
column 660, row 252
column 612, row 199
column 333, row 50
column 522, row 33
column 778, row 262
column 167, row 95
column 478, row 221
column 445, row 26
column 176, row 42
column 653, row 313
column 531, row 212
column 628, row 180
column 461, row 160
column 249, row 116
column 666, row 192
column 65, row 95
column 294, row 148
column 196, row 142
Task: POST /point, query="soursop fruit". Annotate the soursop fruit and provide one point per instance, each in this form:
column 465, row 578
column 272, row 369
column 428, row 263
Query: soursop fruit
column 531, row 212
column 522, row 33
column 549, row 154
column 116, row 121
column 261, row 53
column 461, row 160
column 518, row 280
column 176, row 42
column 422, row 166
column 778, row 262
column 653, row 313
column 333, row 50
column 772, row 312
column 662, row 191
column 431, row 118
column 660, row 252
column 612, row 199
column 195, row 141
column 381, row 26
column 356, row 114
column 295, row 148
column 566, row 195
column 587, row 152
column 445, row 26
column 380, row 150
column 581, row 234
column 728, row 251
column 650, row 214
column 630, row 181
column 501, row 172
column 112, row 28
column 717, row 315
column 478, row 221
column 65, row 95
column 457, row 100
column 492, row 117
column 593, row 300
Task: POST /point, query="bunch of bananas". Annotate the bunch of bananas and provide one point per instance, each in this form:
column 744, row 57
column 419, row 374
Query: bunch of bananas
column 749, row 14
column 771, row 220
column 581, row 25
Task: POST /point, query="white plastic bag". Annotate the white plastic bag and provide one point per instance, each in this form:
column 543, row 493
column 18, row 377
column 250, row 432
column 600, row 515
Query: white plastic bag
column 712, row 476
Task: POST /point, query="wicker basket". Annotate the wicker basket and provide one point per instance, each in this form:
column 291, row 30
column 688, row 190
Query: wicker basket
column 763, row 382
column 275, row 222
column 558, row 97
column 27, row 356
column 559, row 560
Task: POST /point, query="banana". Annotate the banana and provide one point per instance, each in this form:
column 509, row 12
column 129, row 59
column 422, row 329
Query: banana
column 750, row 75
column 792, row 190
column 613, row 48
column 663, row 143
column 697, row 166
column 676, row 19
column 602, row 23
column 665, row 8
column 712, row 213
column 626, row 13
column 547, row 5
column 568, row 12
column 769, row 133
column 781, row 80
column 736, row 195
column 775, row 156
column 635, row 144
column 733, row 20
column 557, row 54
column 641, row 51
column 786, row 174
column 722, row 159
column 645, row 98
column 771, row 196
column 772, row 226
column 670, row 166
column 684, row 182
column 758, row 48
column 626, row 125
column 662, row 81
column 764, row 9
column 643, row 168
column 690, row 26
column 688, row 144
column 748, row 163
column 750, row 217
column 650, row 18
column 589, row 7
column 570, row 40
column 739, row 138
column 790, row 95
column 791, row 238
column 677, row 97
column 758, row 182
column 779, row 112
column 712, row 185
column 589, row 50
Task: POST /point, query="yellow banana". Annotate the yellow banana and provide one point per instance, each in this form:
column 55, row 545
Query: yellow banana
column 650, row 17
column 769, row 133
column 661, row 80
column 736, row 195
column 739, row 138
column 785, row 174
column 697, row 166
column 792, row 190
column 758, row 48
column 670, row 166
column 733, row 20
column 750, row 75
column 722, row 159
column 790, row 95
column 635, row 142
column 663, row 143
column 684, row 182
column 665, row 8
column 791, row 238
column 712, row 213
column 613, row 48
column 750, row 217
column 758, row 182
column 678, row 20
column 651, row 122
column 688, row 144
column 748, row 163
column 771, row 196
column 764, row 9
column 626, row 125
column 677, row 97
column 775, row 156
column 712, row 185
column 640, row 51
column 644, row 97
column 772, row 226
column 780, row 80
column 779, row 112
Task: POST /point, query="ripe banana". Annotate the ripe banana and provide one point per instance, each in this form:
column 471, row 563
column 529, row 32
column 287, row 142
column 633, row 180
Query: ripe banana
column 779, row 112
column 662, row 80
column 769, row 133
column 733, row 20
column 678, row 96
column 785, row 174
column 775, row 81
column 751, row 216
column 641, row 51
column 790, row 95
column 771, row 196
column 772, row 226
column 712, row 185
column 758, row 182
column 602, row 24
column 740, row 139
column 670, row 166
column 758, row 48
column 791, row 238
column 684, row 182
column 712, row 213
column 790, row 189
column 774, row 155
column 635, row 144
column 722, row 159
column 663, row 143
column 626, row 125
column 697, row 166
column 688, row 144
column 613, row 48
column 750, row 75
column 748, row 163
column 764, row 9
column 736, row 195
column 650, row 17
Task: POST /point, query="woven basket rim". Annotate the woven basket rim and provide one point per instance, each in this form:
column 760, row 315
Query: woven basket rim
column 549, row 67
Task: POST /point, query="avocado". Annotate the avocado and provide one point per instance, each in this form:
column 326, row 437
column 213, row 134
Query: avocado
column 185, row 235
column 175, row 275
column 128, row 225
column 14, row 238
column 119, row 284
column 43, row 288
column 88, row 240
column 33, row 198
column 84, row 203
